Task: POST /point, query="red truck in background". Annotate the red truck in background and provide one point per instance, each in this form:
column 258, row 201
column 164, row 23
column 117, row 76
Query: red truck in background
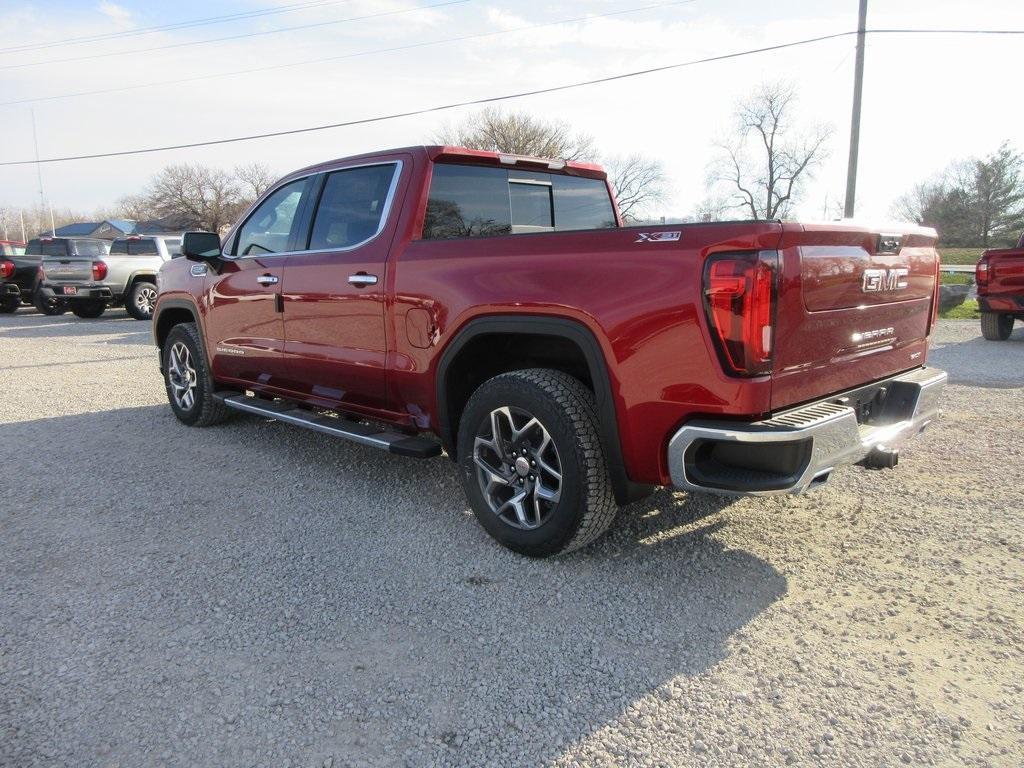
column 494, row 307
column 1000, row 279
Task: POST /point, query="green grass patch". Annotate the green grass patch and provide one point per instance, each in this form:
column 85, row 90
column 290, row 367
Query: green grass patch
column 960, row 255
column 966, row 311
column 956, row 278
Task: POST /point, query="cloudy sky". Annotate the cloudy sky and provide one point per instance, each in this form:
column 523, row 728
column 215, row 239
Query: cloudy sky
column 928, row 99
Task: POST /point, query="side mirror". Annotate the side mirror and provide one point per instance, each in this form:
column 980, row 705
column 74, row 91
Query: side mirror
column 201, row 246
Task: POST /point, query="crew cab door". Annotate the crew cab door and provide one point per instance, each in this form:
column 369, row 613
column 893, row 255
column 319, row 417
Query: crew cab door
column 244, row 322
column 334, row 296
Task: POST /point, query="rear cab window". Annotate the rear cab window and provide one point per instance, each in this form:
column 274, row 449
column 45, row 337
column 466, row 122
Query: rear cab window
column 87, row 248
column 481, row 201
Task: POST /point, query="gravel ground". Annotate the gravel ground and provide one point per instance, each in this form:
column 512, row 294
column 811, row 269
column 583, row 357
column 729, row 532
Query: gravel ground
column 256, row 595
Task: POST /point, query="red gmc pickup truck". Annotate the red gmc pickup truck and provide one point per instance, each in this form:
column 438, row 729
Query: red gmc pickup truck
column 494, row 307
column 1000, row 278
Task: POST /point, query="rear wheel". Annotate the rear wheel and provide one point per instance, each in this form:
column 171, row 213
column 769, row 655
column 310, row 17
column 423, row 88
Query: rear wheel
column 532, row 464
column 141, row 300
column 46, row 305
column 996, row 326
column 89, row 310
column 187, row 378
column 9, row 304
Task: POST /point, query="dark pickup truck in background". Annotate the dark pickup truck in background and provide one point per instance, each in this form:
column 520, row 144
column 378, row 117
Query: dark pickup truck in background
column 24, row 270
column 1000, row 278
column 496, row 308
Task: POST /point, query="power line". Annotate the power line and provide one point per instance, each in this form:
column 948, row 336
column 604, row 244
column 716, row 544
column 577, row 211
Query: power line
column 261, row 33
column 357, row 54
column 485, row 100
column 245, row 15
column 427, row 110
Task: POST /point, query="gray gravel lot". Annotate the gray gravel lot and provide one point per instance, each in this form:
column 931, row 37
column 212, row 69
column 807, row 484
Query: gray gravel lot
column 256, row 595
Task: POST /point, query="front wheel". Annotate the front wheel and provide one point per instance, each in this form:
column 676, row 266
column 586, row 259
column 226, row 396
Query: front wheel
column 89, row 310
column 187, row 378
column 47, row 306
column 532, row 464
column 996, row 326
column 141, row 300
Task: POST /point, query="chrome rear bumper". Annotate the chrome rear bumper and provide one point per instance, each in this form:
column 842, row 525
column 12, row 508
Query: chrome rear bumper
column 797, row 449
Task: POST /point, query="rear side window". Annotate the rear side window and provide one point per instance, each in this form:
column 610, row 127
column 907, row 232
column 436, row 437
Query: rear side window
column 475, row 201
column 351, row 207
column 270, row 228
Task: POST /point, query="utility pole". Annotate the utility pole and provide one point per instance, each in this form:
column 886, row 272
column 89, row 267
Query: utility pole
column 858, row 87
column 39, row 171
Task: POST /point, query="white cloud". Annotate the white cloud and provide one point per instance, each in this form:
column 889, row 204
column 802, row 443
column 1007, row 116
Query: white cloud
column 121, row 17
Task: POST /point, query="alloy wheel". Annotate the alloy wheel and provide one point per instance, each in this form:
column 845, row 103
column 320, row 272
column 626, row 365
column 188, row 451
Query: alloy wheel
column 181, row 374
column 518, row 467
column 145, row 300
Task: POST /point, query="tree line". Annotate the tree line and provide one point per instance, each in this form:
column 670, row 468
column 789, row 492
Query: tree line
column 976, row 202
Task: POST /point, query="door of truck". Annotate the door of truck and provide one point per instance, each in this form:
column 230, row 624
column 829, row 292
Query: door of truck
column 334, row 293
column 244, row 322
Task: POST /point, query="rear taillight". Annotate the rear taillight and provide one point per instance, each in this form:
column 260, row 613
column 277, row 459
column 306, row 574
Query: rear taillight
column 99, row 270
column 739, row 297
column 6, row 269
column 982, row 274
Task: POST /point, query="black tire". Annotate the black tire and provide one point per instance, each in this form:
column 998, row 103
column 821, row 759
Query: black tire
column 9, row 305
column 566, row 410
column 140, row 300
column 205, row 409
column 996, row 326
column 47, row 306
column 89, row 310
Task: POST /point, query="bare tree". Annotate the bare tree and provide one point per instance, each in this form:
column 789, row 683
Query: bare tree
column 254, row 179
column 518, row 133
column 767, row 160
column 639, row 183
column 209, row 197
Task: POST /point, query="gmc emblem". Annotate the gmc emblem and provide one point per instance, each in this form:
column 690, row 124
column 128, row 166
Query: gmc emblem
column 876, row 280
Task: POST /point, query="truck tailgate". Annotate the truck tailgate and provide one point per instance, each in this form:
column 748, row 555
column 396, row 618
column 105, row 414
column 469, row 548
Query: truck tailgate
column 68, row 269
column 854, row 305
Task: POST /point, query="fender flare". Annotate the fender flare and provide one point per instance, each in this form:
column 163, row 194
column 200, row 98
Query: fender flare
column 571, row 330
column 166, row 304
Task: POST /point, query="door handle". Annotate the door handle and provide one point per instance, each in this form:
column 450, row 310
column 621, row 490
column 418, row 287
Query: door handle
column 266, row 280
column 361, row 280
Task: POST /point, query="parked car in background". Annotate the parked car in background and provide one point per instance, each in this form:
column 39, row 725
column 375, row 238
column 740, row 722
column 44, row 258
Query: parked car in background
column 126, row 275
column 26, row 266
column 1000, row 278
column 10, row 293
column 495, row 307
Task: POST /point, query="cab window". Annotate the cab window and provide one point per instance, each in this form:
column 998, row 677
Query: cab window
column 271, row 226
column 351, row 207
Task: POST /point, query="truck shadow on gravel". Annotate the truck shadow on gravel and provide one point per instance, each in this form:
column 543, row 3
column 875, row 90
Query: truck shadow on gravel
column 351, row 608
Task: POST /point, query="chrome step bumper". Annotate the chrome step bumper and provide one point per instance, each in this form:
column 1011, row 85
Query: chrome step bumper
column 797, row 449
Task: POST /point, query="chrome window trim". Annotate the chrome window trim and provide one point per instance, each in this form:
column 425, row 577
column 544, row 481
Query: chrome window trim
column 384, row 214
